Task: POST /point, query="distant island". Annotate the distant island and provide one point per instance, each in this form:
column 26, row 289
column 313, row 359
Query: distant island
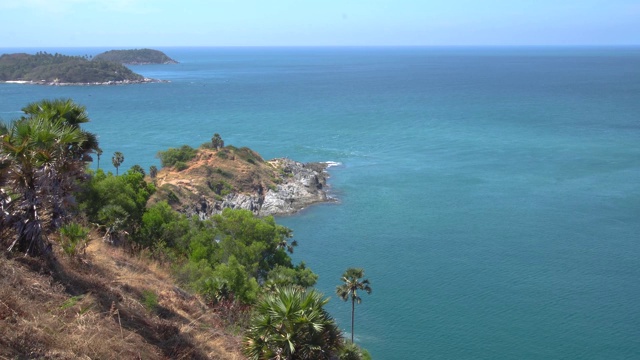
column 136, row 57
column 57, row 69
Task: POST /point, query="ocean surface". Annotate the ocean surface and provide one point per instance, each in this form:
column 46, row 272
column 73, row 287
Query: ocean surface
column 492, row 195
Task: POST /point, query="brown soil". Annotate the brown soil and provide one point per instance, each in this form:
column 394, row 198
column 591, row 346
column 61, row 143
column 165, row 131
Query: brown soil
column 215, row 173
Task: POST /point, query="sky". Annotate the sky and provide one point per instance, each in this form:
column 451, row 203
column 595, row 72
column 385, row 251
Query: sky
column 136, row 23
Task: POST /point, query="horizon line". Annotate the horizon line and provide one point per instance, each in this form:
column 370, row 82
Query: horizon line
column 330, row 46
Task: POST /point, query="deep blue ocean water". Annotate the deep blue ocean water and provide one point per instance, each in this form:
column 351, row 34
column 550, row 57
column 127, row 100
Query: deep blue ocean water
column 491, row 194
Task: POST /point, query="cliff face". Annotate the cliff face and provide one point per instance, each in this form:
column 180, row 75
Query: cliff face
column 241, row 179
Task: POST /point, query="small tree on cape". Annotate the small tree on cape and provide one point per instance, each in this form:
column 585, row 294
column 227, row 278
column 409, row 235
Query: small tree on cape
column 217, row 142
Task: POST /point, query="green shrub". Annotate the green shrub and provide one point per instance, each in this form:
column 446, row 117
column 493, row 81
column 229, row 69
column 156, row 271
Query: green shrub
column 351, row 351
column 221, row 188
column 137, row 168
column 74, row 238
column 71, row 302
column 172, row 198
column 117, row 203
column 224, row 173
column 224, row 154
column 181, row 165
column 150, row 300
column 173, row 156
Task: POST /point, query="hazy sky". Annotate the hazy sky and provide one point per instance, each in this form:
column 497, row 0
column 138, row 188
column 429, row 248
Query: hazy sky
column 134, row 23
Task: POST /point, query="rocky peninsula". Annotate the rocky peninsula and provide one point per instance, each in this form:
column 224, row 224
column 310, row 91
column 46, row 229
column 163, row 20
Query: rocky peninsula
column 229, row 177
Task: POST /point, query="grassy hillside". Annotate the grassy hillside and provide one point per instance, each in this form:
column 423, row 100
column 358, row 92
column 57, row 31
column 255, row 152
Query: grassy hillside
column 105, row 305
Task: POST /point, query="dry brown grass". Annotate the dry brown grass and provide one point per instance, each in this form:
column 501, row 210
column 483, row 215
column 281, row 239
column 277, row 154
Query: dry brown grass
column 209, row 168
column 94, row 309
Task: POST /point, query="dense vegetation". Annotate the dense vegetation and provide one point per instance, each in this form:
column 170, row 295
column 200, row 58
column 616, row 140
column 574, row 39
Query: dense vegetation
column 57, row 68
column 177, row 157
column 42, row 157
column 238, row 263
column 136, row 57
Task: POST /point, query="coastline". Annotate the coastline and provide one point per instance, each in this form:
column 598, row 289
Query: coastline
column 57, row 83
column 305, row 186
column 276, row 187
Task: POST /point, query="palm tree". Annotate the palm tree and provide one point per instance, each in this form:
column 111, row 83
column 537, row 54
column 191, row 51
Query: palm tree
column 217, row 142
column 69, row 113
column 117, row 160
column 349, row 289
column 290, row 324
column 59, row 109
column 153, row 171
column 42, row 157
column 137, row 168
column 98, row 154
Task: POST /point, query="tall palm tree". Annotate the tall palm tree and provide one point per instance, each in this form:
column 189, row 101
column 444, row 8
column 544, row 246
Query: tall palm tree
column 43, row 156
column 349, row 289
column 117, row 160
column 291, row 324
column 98, row 154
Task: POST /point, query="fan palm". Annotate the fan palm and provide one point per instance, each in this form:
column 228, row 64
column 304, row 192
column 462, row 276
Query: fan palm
column 98, row 154
column 290, row 324
column 69, row 113
column 117, row 160
column 349, row 289
column 42, row 156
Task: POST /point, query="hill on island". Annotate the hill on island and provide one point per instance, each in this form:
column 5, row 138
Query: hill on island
column 136, row 57
column 56, row 68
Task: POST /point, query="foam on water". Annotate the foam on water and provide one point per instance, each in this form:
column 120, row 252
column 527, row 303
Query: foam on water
column 332, row 163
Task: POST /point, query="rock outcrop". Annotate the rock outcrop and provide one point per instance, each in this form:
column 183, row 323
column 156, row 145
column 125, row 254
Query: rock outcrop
column 214, row 182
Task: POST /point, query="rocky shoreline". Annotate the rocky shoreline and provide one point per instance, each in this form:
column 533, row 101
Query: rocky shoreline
column 168, row 62
column 57, row 83
column 303, row 184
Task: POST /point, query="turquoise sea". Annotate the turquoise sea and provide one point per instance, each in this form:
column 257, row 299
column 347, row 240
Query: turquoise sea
column 491, row 194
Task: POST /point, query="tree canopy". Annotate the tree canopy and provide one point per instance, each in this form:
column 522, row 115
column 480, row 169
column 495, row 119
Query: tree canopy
column 135, row 57
column 57, row 68
column 177, row 157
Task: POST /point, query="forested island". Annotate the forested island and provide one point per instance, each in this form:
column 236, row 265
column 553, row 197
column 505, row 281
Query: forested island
column 113, row 266
column 135, row 57
column 57, row 69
